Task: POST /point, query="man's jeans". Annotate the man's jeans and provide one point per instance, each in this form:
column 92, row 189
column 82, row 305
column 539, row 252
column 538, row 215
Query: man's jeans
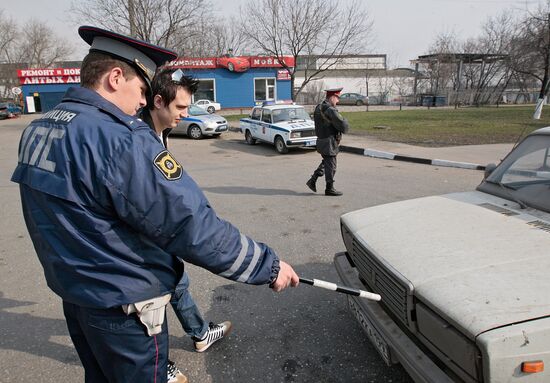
column 187, row 311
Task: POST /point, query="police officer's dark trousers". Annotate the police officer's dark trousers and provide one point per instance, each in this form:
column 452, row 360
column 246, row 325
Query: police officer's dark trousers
column 326, row 168
column 115, row 347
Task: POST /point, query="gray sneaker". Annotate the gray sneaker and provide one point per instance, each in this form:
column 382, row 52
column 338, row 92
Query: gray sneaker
column 214, row 333
column 174, row 374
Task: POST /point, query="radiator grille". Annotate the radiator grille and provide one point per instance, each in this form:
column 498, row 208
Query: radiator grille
column 540, row 225
column 498, row 209
column 307, row 133
column 394, row 293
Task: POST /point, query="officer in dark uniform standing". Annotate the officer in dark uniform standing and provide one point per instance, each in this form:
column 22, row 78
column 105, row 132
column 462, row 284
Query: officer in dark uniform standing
column 111, row 213
column 329, row 127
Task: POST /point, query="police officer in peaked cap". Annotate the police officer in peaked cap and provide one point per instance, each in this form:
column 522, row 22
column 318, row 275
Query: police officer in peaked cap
column 111, row 213
column 329, row 127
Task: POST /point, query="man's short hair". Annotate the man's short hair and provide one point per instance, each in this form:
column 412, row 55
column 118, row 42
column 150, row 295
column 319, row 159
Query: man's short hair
column 96, row 64
column 165, row 86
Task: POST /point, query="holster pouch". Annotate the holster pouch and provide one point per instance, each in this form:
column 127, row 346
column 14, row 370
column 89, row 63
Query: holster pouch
column 150, row 312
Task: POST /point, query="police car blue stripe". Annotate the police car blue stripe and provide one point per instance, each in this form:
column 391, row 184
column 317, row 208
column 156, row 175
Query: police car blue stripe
column 271, row 126
column 191, row 119
column 244, row 276
column 240, row 259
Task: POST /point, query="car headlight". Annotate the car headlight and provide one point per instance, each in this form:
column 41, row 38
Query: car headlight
column 295, row 134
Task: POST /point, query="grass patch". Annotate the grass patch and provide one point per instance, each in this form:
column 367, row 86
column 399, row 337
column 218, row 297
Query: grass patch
column 235, row 118
column 445, row 127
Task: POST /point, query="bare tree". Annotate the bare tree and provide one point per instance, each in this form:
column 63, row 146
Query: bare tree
column 33, row 45
column 490, row 77
column 8, row 43
column 385, row 86
column 8, row 37
column 530, row 51
column 214, row 37
column 440, row 69
column 403, row 84
column 169, row 23
column 39, row 47
column 320, row 30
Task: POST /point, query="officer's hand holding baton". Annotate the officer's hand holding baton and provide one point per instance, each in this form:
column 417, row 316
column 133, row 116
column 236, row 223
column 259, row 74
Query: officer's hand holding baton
column 287, row 277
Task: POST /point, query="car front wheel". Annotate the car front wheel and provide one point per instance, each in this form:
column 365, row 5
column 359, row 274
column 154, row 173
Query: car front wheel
column 210, row 109
column 359, row 103
column 280, row 145
column 194, row 132
column 248, row 138
column 231, row 67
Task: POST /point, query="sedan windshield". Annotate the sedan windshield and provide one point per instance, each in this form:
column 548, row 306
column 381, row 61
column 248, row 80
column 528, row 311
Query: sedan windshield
column 524, row 175
column 289, row 114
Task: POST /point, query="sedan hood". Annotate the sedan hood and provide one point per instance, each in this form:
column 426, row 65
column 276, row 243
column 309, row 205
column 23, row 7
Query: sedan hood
column 296, row 124
column 477, row 262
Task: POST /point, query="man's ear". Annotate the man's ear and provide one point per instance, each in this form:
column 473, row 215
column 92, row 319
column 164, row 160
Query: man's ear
column 158, row 102
column 115, row 77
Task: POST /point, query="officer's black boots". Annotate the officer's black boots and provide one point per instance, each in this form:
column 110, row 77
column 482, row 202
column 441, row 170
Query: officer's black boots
column 330, row 190
column 311, row 183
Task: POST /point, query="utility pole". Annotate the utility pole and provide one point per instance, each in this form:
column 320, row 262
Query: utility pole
column 415, row 85
column 367, row 85
column 546, row 78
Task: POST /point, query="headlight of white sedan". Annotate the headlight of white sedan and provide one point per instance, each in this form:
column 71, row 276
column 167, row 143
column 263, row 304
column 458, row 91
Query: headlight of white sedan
column 295, row 134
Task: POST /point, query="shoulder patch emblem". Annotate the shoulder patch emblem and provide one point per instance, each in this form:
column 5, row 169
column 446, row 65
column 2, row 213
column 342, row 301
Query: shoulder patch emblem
column 168, row 166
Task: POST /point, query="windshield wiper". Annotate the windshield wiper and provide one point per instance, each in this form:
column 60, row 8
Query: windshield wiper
column 506, row 189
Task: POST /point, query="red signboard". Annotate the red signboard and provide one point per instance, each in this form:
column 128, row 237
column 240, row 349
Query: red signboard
column 213, row 62
column 270, row 62
column 49, row 76
column 193, row 63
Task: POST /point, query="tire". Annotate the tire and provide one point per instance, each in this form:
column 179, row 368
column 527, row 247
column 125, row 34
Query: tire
column 210, row 109
column 248, row 138
column 231, row 67
column 359, row 103
column 194, row 132
column 280, row 145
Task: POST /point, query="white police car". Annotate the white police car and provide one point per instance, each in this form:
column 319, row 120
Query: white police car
column 280, row 123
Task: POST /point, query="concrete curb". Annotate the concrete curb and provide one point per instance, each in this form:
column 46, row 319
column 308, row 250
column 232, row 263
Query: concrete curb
column 397, row 157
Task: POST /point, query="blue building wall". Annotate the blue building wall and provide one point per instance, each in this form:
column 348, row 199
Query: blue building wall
column 234, row 90
column 49, row 95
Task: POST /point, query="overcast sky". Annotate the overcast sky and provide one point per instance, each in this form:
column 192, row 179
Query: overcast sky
column 403, row 29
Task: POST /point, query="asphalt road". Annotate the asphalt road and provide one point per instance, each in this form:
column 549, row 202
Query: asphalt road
column 300, row 335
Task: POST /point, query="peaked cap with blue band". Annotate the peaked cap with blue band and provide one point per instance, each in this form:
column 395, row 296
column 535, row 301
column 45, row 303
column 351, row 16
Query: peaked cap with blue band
column 143, row 56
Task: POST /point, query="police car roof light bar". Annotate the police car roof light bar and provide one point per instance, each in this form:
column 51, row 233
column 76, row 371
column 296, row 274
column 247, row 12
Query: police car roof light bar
column 341, row 289
column 278, row 102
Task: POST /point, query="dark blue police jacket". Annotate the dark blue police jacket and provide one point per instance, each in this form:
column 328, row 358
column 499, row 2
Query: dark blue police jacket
column 110, row 211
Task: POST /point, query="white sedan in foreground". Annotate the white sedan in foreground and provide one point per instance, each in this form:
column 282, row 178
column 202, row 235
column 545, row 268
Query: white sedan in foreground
column 464, row 277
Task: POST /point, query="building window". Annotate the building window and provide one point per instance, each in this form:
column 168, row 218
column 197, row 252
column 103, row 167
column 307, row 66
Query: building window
column 264, row 89
column 206, row 90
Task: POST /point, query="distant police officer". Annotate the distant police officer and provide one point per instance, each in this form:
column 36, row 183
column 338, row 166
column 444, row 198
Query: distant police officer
column 329, row 127
column 110, row 213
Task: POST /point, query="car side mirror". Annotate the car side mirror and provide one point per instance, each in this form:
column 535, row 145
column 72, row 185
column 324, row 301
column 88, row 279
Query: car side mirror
column 489, row 169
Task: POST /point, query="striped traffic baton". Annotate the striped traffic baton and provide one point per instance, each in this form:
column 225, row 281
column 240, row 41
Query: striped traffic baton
column 340, row 289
